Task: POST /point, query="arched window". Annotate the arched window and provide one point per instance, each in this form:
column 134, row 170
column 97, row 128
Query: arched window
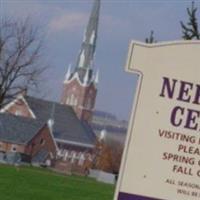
column 75, row 101
column 81, row 159
column 73, row 156
column 68, row 100
column 89, row 103
column 66, row 155
column 72, row 100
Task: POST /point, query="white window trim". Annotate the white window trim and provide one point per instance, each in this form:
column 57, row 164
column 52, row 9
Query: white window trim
column 74, row 143
column 76, row 77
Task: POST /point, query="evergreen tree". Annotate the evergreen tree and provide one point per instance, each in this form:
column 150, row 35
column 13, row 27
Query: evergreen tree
column 151, row 38
column 190, row 29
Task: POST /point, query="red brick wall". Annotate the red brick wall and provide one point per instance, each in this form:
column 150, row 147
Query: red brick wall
column 75, row 165
column 42, row 140
column 62, row 166
column 83, row 95
column 34, row 146
column 8, row 147
column 21, row 108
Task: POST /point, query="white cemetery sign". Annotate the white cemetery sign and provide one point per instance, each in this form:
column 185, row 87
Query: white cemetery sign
column 162, row 152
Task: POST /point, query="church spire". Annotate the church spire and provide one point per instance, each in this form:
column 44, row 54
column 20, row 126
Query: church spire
column 88, row 46
column 97, row 78
column 68, row 74
column 81, row 83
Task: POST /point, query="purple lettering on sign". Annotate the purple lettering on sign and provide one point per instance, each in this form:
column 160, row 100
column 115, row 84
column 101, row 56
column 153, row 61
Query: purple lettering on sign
column 197, row 96
column 185, row 92
column 174, row 120
column 192, row 118
column 169, row 87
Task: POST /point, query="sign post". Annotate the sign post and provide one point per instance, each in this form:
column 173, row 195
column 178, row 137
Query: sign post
column 162, row 152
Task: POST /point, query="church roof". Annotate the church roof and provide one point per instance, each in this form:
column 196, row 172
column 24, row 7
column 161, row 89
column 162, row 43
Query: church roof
column 67, row 127
column 18, row 130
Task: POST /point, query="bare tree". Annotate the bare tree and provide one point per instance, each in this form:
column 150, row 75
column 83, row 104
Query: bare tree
column 150, row 39
column 20, row 57
column 190, row 30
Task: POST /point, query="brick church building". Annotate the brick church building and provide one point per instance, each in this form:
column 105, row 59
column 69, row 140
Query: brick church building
column 64, row 124
column 80, row 85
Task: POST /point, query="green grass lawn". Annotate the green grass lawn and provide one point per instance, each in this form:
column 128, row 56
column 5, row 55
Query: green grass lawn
column 26, row 183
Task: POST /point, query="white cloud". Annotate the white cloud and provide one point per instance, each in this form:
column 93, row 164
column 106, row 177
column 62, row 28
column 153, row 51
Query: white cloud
column 54, row 17
column 68, row 22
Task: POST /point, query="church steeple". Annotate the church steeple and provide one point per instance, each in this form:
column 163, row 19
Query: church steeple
column 86, row 55
column 80, row 86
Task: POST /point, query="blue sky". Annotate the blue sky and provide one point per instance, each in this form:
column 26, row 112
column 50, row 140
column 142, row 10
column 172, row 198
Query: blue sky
column 64, row 22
